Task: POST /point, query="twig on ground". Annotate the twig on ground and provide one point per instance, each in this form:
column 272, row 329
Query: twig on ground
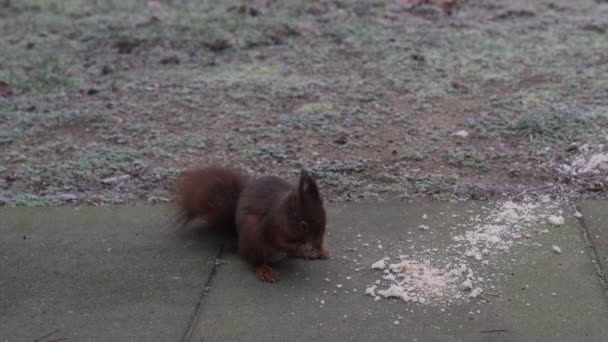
column 494, row 331
column 45, row 336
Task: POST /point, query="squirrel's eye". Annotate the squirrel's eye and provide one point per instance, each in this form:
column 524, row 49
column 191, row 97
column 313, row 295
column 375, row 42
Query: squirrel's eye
column 304, row 226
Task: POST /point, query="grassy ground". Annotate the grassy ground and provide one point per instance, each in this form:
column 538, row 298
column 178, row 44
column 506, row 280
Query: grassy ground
column 108, row 101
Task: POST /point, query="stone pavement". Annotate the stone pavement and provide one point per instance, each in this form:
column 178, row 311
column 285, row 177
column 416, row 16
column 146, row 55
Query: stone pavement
column 125, row 274
column 98, row 274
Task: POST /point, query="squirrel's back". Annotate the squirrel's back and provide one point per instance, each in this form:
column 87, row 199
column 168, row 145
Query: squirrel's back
column 261, row 194
column 211, row 193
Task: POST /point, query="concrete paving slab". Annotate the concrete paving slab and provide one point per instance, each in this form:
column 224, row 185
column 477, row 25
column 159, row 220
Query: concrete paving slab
column 595, row 218
column 99, row 274
column 538, row 295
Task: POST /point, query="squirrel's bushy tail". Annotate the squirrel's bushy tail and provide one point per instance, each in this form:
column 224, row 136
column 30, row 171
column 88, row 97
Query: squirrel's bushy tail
column 211, row 193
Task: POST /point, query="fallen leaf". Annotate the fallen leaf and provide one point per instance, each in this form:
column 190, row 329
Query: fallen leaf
column 342, row 140
column 170, row 60
column 127, row 45
column 572, row 147
column 408, row 4
column 92, row 91
column 445, row 4
column 219, row 45
column 514, row 12
column 252, row 11
column 6, row 90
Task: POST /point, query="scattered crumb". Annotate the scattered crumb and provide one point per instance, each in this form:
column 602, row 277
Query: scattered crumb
column 394, row 291
column 380, row 264
column 443, row 276
column 339, row 286
column 475, row 292
column 556, row 249
column 371, row 291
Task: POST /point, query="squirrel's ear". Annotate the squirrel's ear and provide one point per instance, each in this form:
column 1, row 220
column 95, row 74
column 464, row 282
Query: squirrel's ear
column 308, row 187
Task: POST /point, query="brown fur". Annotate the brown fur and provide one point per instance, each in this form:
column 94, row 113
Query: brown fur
column 270, row 214
column 211, row 194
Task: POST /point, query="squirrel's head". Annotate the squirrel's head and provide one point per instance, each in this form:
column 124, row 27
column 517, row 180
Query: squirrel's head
column 308, row 206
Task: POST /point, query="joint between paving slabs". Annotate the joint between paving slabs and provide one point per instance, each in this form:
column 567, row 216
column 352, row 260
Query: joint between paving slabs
column 601, row 273
column 201, row 302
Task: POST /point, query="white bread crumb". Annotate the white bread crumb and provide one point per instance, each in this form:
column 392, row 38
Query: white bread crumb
column 379, row 265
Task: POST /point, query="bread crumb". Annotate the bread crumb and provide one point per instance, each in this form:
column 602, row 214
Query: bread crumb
column 429, row 277
column 475, row 292
column 394, row 291
column 380, row 264
column 371, row 291
column 556, row 249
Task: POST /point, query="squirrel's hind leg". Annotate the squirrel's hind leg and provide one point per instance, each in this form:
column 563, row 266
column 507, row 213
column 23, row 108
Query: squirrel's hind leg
column 252, row 247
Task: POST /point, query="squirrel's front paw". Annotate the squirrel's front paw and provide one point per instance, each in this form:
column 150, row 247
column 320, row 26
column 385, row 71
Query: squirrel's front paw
column 267, row 274
column 323, row 254
column 317, row 254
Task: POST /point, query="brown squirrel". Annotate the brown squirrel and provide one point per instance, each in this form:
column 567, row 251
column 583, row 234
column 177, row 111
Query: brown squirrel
column 268, row 214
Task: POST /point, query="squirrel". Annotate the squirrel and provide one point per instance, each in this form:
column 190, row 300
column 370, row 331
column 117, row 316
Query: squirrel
column 269, row 215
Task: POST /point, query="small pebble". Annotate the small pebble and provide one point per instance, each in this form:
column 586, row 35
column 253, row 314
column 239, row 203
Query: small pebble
column 461, row 134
